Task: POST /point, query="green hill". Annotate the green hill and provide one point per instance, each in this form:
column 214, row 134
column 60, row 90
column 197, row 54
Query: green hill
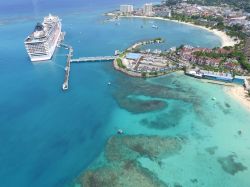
column 242, row 4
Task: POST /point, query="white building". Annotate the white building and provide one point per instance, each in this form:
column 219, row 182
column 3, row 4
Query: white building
column 148, row 9
column 126, row 9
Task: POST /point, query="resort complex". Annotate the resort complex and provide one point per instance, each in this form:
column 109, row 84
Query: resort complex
column 230, row 63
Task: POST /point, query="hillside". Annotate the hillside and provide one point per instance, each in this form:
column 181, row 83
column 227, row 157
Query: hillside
column 243, row 4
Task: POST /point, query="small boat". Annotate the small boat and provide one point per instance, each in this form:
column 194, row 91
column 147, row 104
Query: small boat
column 120, row 131
column 155, row 27
column 213, row 98
column 109, row 83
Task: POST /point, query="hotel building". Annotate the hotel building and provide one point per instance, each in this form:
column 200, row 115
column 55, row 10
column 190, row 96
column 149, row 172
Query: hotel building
column 148, row 9
column 126, row 9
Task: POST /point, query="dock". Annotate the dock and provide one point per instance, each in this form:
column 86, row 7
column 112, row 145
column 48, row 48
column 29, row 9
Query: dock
column 65, row 85
column 93, row 59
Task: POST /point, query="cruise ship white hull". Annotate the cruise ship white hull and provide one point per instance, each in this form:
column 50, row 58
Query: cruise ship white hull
column 41, row 58
column 48, row 56
column 42, row 43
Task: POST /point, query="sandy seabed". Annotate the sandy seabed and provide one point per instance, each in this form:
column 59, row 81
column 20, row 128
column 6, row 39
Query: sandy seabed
column 239, row 94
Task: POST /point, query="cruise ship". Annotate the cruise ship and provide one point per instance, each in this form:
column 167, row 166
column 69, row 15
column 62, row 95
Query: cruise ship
column 42, row 42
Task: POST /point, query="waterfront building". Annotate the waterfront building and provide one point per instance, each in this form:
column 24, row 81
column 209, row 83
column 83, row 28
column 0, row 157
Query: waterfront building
column 126, row 9
column 162, row 11
column 148, row 9
column 133, row 56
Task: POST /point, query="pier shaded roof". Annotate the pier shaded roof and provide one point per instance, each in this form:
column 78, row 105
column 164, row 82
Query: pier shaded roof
column 133, row 56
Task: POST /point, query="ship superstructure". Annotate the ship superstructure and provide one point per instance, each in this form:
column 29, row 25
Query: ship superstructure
column 42, row 42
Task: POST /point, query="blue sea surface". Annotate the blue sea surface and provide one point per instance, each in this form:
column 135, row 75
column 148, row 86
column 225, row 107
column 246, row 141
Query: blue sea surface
column 48, row 137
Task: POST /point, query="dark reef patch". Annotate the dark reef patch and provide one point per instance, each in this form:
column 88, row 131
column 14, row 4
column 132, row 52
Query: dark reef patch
column 136, row 106
column 121, row 167
column 165, row 120
column 230, row 166
column 211, row 150
column 224, row 109
column 116, row 176
column 194, row 180
column 134, row 86
column 169, row 87
column 131, row 147
column 227, row 105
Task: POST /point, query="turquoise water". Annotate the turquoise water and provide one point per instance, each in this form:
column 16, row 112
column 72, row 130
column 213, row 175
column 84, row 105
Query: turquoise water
column 48, row 137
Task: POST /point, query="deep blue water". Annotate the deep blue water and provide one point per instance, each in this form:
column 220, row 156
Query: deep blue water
column 48, row 136
column 34, row 8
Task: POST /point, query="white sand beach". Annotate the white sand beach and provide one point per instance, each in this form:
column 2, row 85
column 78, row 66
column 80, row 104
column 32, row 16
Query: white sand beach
column 238, row 93
column 225, row 39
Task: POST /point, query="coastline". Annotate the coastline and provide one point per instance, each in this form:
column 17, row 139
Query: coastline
column 225, row 39
column 238, row 93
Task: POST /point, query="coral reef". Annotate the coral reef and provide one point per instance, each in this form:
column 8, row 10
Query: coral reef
column 121, row 167
column 230, row 166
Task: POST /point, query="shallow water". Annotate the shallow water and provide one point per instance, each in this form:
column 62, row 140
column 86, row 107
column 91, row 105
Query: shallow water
column 48, row 137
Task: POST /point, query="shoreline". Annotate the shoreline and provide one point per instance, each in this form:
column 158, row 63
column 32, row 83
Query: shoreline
column 224, row 38
column 239, row 94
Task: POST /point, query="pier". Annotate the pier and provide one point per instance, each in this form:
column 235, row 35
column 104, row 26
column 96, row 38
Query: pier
column 65, row 85
column 93, row 59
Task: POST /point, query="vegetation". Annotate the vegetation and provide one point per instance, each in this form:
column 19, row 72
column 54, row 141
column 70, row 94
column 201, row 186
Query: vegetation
column 158, row 40
column 172, row 2
column 154, row 73
column 144, row 74
column 212, row 54
column 213, row 22
column 237, row 54
column 242, row 59
column 242, row 4
column 120, row 64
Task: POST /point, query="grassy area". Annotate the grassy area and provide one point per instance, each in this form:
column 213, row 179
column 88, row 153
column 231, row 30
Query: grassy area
column 120, row 64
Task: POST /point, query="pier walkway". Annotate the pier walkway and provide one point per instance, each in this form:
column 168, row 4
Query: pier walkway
column 65, row 85
column 93, row 59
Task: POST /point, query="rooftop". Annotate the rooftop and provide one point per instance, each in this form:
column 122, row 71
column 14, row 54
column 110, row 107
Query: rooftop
column 133, row 56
